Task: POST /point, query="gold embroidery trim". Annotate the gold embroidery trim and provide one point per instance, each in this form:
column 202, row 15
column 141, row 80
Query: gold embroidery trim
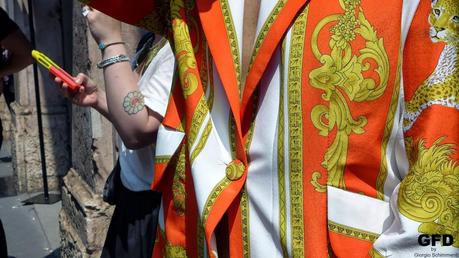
column 216, row 191
column 204, row 71
column 209, row 82
column 382, row 176
column 375, row 254
column 200, row 238
column 197, row 121
column 202, row 142
column 265, row 28
column 248, row 143
column 295, row 124
column 245, row 223
column 162, row 159
column 281, row 159
column 232, row 37
column 232, row 132
column 352, row 232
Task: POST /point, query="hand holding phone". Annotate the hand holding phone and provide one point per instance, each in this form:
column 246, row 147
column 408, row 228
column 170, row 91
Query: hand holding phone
column 55, row 69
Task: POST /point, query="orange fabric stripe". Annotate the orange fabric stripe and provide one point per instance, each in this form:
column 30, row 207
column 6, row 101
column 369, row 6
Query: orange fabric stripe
column 174, row 223
column 235, row 229
column 160, row 244
column 174, row 112
column 427, row 127
column 314, row 148
column 362, row 166
column 192, row 213
column 159, row 173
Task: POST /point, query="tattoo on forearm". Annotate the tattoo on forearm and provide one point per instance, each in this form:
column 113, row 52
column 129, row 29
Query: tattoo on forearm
column 133, row 102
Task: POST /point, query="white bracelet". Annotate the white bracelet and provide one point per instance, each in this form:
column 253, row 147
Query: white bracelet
column 112, row 60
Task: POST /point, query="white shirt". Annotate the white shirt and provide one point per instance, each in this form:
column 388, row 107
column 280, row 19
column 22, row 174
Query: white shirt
column 155, row 85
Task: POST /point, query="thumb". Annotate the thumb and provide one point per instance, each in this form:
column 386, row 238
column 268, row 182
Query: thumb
column 82, row 79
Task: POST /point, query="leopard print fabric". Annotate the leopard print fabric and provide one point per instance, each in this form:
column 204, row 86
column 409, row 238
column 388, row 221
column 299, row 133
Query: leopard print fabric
column 442, row 86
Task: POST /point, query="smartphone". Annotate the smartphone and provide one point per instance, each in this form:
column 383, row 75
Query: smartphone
column 55, row 69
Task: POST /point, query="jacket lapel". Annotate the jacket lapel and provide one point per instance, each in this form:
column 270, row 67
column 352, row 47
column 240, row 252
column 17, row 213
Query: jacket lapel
column 212, row 20
column 275, row 28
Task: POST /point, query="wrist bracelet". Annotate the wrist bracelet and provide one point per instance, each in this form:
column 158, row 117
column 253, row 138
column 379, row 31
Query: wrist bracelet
column 112, row 60
column 102, row 46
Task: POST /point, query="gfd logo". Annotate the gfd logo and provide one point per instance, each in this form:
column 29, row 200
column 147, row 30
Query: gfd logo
column 445, row 239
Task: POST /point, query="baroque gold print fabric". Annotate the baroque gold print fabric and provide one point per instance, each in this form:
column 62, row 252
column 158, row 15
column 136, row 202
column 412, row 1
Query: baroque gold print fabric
column 341, row 77
column 430, row 192
column 175, row 251
column 178, row 185
column 184, row 50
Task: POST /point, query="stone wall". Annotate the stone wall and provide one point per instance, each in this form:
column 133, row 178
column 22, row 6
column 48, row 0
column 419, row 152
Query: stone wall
column 25, row 142
column 5, row 114
column 84, row 217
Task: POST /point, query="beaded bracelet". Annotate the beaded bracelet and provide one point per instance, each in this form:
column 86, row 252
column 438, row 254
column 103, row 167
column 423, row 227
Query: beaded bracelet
column 112, row 60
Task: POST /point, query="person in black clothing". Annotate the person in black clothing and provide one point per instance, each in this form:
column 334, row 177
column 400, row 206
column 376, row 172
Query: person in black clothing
column 14, row 56
column 15, row 42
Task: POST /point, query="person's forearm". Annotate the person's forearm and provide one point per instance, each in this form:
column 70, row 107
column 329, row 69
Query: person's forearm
column 124, row 102
column 101, row 105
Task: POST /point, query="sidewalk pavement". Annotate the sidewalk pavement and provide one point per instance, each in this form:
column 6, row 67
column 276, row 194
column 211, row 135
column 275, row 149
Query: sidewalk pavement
column 32, row 231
